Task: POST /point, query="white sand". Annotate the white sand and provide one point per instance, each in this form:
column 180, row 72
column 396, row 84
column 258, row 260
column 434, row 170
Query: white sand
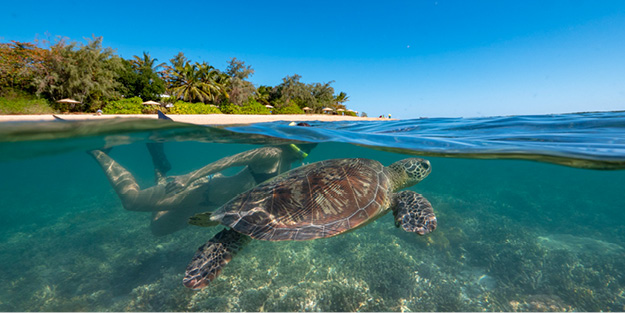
column 201, row 119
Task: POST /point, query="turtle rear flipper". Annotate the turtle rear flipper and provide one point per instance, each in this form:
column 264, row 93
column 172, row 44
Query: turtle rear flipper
column 211, row 257
column 414, row 213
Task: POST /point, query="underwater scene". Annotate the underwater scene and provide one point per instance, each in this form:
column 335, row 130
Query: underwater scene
column 530, row 215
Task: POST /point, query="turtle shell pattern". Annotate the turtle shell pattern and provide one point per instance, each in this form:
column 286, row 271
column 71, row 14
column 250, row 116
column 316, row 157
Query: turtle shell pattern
column 318, row 200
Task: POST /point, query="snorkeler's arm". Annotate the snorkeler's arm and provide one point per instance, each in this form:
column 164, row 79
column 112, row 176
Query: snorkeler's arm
column 260, row 157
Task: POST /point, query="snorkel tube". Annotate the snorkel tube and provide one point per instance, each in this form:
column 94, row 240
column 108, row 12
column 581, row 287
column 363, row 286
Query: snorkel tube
column 299, row 151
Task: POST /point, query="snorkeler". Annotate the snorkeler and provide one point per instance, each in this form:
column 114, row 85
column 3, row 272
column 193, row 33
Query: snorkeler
column 175, row 198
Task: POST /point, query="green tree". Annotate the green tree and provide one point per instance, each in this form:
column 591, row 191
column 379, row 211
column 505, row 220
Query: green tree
column 237, row 87
column 291, row 90
column 197, row 82
column 86, row 73
column 139, row 78
column 126, row 78
column 323, row 95
column 146, row 62
column 18, row 64
column 341, row 98
column 267, row 95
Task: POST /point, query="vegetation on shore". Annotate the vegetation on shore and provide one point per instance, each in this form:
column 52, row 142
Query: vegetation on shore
column 34, row 76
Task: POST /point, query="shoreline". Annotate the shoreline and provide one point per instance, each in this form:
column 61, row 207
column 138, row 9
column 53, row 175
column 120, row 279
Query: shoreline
column 200, row 119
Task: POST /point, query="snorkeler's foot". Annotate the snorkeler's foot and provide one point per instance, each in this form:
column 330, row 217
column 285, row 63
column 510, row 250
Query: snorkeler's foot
column 162, row 116
column 414, row 213
column 211, row 257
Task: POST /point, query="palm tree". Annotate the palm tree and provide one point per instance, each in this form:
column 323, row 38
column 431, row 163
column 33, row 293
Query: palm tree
column 341, row 97
column 197, row 82
column 146, row 62
column 263, row 94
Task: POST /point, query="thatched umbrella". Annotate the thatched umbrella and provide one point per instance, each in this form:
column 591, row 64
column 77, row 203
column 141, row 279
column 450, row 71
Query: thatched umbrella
column 306, row 109
column 340, row 110
column 151, row 103
column 269, row 106
column 327, row 109
column 68, row 100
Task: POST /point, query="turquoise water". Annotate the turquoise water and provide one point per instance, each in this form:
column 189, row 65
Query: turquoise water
column 530, row 218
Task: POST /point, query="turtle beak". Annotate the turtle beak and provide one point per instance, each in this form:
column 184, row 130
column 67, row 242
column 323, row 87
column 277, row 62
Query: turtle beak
column 427, row 167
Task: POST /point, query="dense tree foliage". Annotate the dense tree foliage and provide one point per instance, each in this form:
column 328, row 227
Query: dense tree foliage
column 84, row 72
column 237, row 87
column 97, row 77
column 194, row 82
column 139, row 78
column 18, row 64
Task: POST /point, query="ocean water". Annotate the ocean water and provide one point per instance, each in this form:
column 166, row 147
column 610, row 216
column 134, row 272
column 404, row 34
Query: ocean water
column 531, row 217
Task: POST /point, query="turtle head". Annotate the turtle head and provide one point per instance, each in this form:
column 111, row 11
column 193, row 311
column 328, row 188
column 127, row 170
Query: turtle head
column 409, row 172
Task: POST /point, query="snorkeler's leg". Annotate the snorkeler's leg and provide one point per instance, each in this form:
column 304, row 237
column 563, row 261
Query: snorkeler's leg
column 125, row 185
column 157, row 152
column 159, row 159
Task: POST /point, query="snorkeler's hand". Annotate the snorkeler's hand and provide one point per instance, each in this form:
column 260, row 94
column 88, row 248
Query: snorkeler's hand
column 175, row 185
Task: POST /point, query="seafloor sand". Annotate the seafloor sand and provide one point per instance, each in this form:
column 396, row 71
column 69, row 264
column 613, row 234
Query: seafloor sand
column 202, row 119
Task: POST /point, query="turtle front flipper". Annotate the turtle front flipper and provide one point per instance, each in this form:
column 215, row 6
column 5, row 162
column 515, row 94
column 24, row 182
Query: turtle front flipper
column 414, row 213
column 211, row 257
column 203, row 220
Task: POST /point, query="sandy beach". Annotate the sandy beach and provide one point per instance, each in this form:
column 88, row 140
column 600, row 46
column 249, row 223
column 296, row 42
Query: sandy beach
column 201, row 119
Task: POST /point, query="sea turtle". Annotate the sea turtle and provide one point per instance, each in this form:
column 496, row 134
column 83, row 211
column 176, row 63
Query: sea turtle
column 317, row 200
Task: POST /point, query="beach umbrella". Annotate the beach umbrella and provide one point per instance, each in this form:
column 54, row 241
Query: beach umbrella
column 327, row 109
column 269, row 106
column 307, row 109
column 68, row 100
column 151, row 103
column 340, row 110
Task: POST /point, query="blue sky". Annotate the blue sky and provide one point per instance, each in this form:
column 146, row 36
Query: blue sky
column 408, row 58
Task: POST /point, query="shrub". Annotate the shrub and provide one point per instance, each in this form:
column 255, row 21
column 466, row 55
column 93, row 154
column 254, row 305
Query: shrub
column 24, row 104
column 350, row 113
column 230, row 108
column 251, row 106
column 182, row 107
column 124, row 106
column 292, row 108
